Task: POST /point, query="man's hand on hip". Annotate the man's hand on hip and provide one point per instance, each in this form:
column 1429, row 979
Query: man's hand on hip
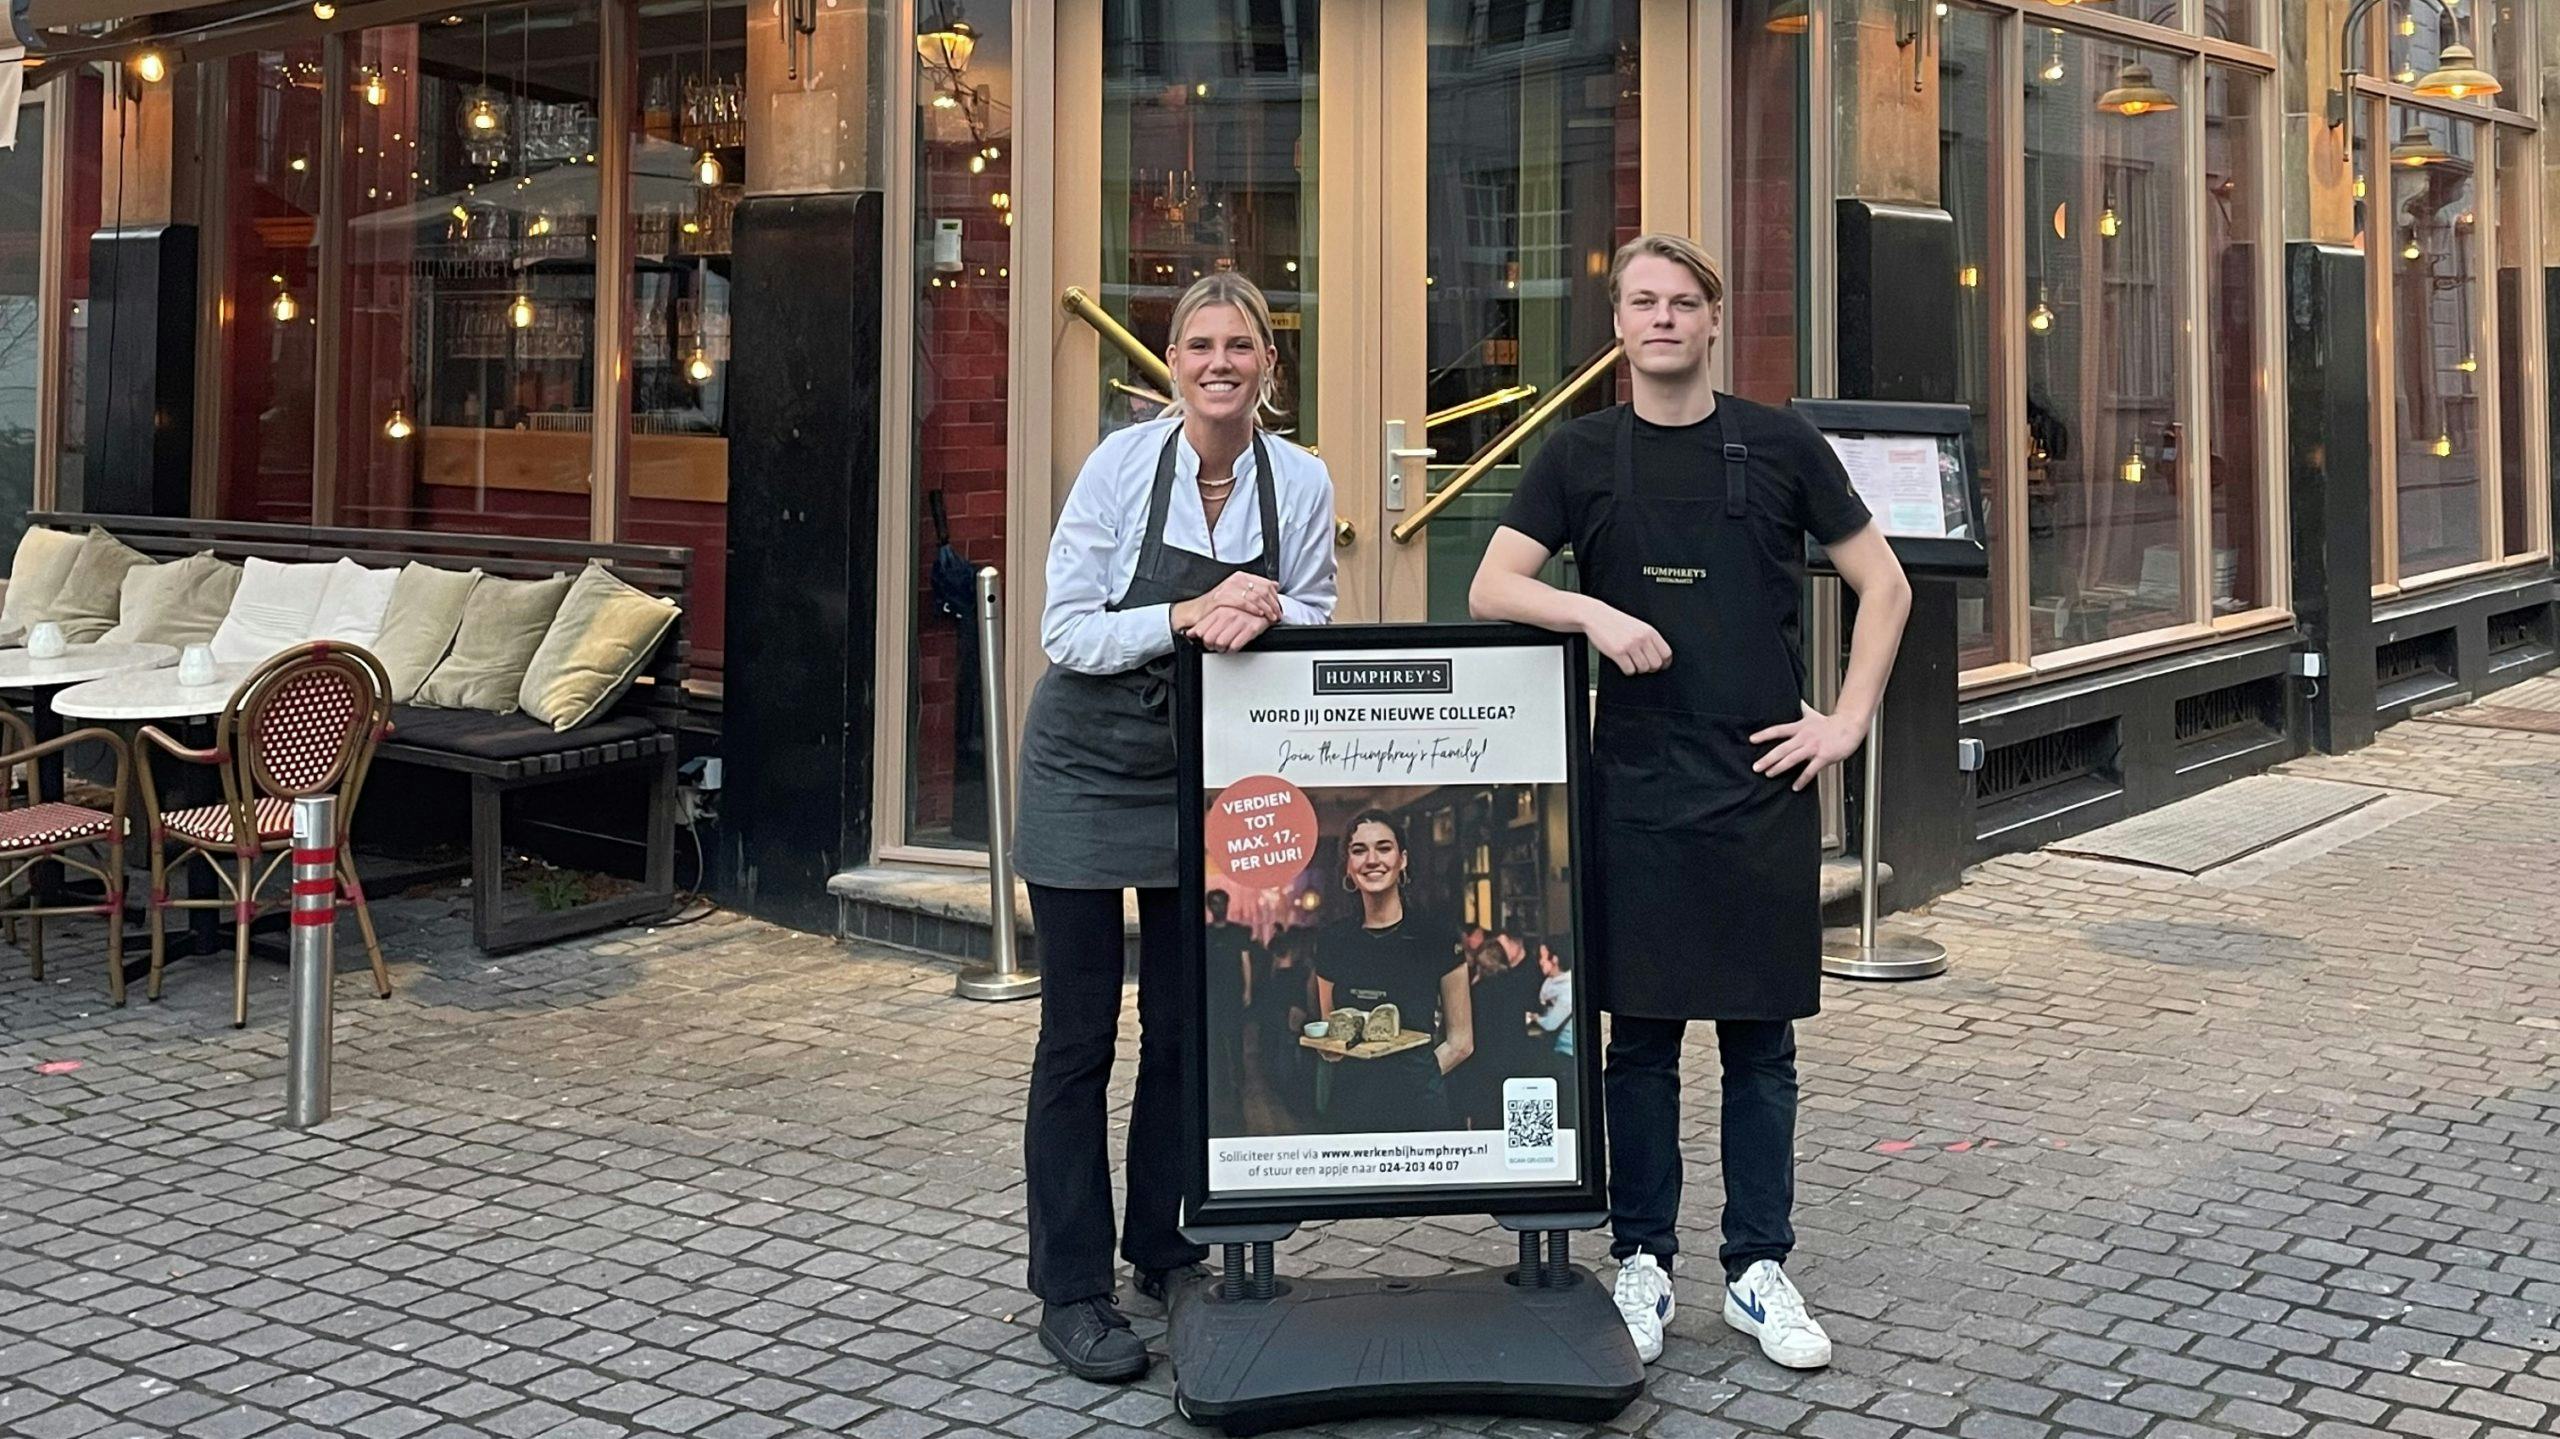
column 1817, row 742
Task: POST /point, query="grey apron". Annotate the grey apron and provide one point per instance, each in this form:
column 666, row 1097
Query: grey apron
column 1096, row 802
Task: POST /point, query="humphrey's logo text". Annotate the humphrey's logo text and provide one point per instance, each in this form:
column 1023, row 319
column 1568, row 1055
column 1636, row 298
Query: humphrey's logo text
column 1384, row 677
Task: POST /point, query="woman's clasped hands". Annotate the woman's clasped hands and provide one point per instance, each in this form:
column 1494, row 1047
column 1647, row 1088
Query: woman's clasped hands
column 1231, row 616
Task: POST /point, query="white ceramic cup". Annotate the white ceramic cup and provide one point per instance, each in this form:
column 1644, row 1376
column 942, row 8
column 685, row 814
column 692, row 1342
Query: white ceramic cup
column 45, row 641
column 195, row 665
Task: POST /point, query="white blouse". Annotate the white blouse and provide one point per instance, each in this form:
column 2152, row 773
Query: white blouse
column 1094, row 554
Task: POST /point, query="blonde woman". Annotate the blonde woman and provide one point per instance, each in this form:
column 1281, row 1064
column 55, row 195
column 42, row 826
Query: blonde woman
column 1196, row 525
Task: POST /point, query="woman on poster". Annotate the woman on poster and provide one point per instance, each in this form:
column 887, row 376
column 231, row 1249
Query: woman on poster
column 1197, row 525
column 1392, row 955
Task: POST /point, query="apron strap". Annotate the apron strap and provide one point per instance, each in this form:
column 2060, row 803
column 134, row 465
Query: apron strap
column 1737, row 464
column 1160, row 497
column 1267, row 492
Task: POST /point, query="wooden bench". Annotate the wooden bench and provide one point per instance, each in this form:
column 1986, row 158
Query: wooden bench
column 498, row 754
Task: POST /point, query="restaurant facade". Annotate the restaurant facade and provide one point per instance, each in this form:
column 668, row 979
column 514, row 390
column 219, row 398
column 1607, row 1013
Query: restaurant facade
column 2247, row 299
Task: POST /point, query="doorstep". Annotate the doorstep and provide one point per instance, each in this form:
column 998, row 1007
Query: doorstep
column 944, row 912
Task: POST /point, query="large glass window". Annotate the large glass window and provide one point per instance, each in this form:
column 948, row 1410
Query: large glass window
column 2106, row 193
column 471, row 170
column 2522, row 452
column 82, row 215
column 1531, row 183
column 2235, row 203
column 688, row 169
column 1967, row 170
column 964, row 283
column 269, row 324
column 21, row 329
column 2432, row 259
column 1208, row 163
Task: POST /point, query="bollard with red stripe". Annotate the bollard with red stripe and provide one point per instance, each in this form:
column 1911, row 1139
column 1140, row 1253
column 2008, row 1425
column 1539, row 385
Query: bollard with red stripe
column 315, row 915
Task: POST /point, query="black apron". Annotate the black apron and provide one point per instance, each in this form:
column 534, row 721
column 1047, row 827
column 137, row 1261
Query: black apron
column 1711, row 874
column 1096, row 806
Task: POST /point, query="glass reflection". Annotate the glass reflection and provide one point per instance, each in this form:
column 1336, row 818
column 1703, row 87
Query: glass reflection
column 2432, row 258
column 1208, row 164
column 2106, row 191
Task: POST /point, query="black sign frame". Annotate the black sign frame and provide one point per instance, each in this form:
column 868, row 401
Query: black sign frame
column 1588, row 1191
column 1947, row 558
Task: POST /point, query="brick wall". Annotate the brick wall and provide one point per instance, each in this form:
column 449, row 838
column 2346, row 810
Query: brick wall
column 1761, row 323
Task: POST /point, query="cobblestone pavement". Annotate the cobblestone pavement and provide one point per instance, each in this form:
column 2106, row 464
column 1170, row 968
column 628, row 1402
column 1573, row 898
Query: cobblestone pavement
column 2266, row 1152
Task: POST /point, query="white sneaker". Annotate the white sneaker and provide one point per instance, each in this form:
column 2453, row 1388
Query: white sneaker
column 1765, row 1304
column 1644, row 1301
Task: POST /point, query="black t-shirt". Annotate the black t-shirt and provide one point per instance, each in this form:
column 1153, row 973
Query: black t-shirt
column 1400, row 965
column 1796, row 487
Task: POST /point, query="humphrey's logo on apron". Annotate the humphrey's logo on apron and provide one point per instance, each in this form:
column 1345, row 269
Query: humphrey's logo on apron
column 1673, row 574
column 1385, row 677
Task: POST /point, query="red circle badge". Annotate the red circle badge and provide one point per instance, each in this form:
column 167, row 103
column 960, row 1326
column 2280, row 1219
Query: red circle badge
column 1261, row 831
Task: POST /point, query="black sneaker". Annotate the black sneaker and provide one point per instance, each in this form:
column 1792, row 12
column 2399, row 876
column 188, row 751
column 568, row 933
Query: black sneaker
column 1093, row 1340
column 1157, row 1285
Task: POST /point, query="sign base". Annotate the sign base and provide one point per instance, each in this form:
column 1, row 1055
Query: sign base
column 1473, row 1342
column 1896, row 955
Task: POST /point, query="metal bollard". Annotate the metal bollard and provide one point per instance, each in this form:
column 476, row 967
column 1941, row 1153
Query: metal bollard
column 315, row 916
column 1872, row 952
column 1005, row 978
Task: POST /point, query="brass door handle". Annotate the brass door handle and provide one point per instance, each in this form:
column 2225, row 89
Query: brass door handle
column 1344, row 532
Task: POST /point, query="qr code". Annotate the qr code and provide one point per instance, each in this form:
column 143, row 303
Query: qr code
column 1529, row 1123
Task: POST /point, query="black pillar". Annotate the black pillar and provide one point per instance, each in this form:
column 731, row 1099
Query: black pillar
column 2331, row 467
column 142, row 374
column 804, row 487
column 1898, row 322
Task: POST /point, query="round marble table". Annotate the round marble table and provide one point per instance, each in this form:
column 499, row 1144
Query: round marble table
column 141, row 696
column 79, row 664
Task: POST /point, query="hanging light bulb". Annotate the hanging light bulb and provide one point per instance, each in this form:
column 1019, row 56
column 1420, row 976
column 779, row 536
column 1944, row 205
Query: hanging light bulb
column 397, row 427
column 2359, row 185
column 977, row 164
column 323, row 10
column 483, row 115
column 375, row 92
column 520, row 314
column 2131, row 470
column 152, row 66
column 284, row 307
column 2468, row 364
column 2040, row 319
column 2443, row 445
column 2405, row 75
column 707, row 169
column 1789, row 17
column 1970, row 277
column 2108, row 221
column 2054, row 70
column 2411, row 251
column 2136, row 93
column 698, row 368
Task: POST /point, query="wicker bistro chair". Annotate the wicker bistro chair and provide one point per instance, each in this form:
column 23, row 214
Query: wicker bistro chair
column 306, row 722
column 76, row 836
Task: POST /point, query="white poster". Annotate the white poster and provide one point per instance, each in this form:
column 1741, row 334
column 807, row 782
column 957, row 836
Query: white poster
column 1387, row 840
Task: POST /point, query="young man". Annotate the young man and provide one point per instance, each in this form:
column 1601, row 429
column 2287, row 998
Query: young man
column 1687, row 512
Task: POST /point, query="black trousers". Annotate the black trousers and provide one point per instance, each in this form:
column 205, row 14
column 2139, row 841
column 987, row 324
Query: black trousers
column 1641, row 1085
column 1065, row 1149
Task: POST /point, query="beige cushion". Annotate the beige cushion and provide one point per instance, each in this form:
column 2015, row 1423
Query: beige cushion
column 43, row 562
column 604, row 632
column 503, row 623
column 180, row 603
column 92, row 593
column 425, row 612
